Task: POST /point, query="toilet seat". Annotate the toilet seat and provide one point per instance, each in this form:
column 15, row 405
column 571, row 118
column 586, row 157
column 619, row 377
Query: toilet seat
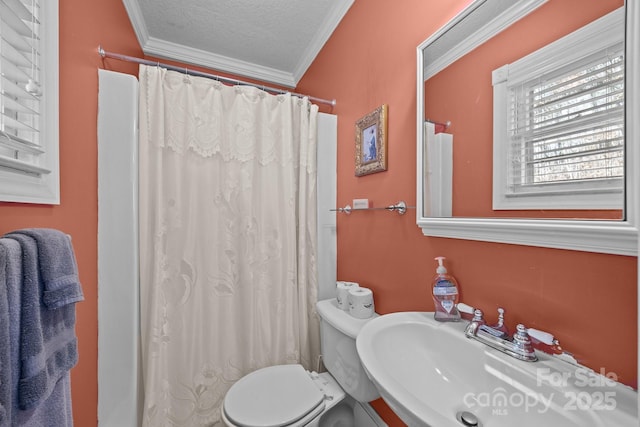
column 276, row 396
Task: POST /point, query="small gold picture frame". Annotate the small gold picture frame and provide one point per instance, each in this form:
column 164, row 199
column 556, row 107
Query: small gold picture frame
column 371, row 142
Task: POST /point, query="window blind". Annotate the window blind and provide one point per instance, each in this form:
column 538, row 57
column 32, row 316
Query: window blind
column 566, row 128
column 20, row 92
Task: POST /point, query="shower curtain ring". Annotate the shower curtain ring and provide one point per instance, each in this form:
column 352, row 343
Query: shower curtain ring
column 186, row 78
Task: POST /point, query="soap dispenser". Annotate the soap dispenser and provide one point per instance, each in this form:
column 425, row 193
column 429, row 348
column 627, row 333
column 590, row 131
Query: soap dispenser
column 445, row 294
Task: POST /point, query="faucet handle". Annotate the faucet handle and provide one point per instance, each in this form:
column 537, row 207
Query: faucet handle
column 472, row 328
column 523, row 343
column 541, row 336
column 464, row 308
column 521, row 337
column 521, row 331
column 545, row 341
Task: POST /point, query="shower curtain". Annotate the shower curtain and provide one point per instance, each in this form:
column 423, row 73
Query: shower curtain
column 228, row 277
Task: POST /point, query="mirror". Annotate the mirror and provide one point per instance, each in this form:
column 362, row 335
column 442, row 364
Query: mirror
column 459, row 72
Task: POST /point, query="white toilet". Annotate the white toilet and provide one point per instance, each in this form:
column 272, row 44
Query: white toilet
column 288, row 395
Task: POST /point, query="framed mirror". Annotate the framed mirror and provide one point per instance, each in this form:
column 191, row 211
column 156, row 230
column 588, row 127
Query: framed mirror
column 468, row 117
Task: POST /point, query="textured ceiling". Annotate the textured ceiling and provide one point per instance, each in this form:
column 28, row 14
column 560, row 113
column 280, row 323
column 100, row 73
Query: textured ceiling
column 269, row 40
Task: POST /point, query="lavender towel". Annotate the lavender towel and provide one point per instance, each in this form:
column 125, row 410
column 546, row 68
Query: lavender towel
column 56, row 410
column 5, row 344
column 47, row 345
column 57, row 264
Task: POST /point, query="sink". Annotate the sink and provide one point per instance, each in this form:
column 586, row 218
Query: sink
column 430, row 374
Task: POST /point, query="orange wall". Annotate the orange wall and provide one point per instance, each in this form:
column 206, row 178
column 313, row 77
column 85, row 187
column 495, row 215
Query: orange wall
column 83, row 26
column 589, row 301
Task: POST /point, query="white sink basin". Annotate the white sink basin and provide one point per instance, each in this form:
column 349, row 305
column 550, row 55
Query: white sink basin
column 429, row 373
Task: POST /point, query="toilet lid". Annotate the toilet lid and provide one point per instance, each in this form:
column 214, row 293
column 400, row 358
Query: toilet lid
column 274, row 396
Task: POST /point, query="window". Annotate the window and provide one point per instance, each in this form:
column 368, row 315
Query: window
column 559, row 123
column 29, row 169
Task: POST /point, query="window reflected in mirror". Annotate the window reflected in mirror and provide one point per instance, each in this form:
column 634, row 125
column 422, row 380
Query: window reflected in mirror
column 537, row 124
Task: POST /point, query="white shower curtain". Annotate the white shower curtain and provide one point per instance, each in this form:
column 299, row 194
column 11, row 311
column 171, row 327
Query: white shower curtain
column 228, row 279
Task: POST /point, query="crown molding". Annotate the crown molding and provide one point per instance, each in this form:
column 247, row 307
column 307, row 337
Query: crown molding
column 321, row 37
column 137, row 20
column 160, row 48
column 188, row 55
column 494, row 25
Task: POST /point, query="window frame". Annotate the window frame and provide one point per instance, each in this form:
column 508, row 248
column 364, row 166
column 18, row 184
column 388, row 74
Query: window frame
column 598, row 35
column 43, row 188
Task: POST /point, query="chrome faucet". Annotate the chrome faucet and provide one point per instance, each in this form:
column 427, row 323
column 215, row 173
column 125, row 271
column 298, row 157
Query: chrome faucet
column 477, row 321
column 518, row 346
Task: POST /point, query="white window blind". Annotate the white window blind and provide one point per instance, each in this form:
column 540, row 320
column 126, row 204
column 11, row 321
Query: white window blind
column 569, row 126
column 563, row 134
column 28, row 96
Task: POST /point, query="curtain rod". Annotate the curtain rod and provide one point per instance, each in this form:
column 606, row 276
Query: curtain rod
column 185, row 70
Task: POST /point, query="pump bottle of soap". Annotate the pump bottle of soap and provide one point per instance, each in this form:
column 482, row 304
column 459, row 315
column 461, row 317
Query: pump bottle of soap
column 445, row 294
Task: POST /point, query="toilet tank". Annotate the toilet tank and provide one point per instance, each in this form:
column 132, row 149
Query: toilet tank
column 338, row 332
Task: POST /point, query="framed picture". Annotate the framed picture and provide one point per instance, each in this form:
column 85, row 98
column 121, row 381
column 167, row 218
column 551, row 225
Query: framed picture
column 371, row 142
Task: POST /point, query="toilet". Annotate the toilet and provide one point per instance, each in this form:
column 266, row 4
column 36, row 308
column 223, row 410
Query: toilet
column 288, row 395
